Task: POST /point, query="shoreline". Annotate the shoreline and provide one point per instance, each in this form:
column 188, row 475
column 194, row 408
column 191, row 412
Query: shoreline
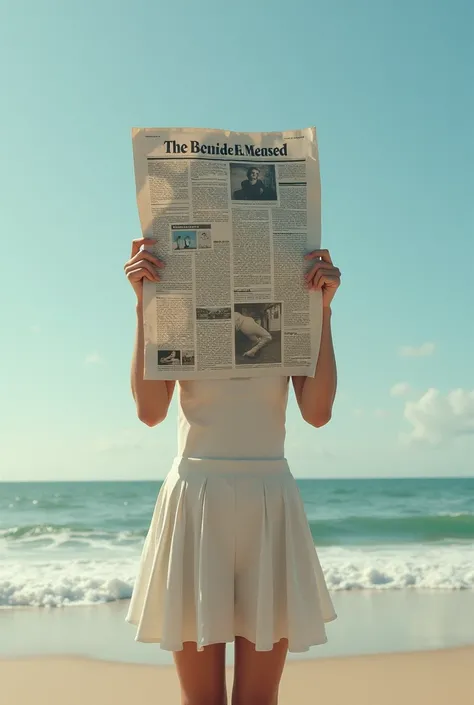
column 303, row 660
column 368, row 622
column 436, row 677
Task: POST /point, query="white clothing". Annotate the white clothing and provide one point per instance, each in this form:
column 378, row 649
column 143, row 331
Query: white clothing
column 229, row 550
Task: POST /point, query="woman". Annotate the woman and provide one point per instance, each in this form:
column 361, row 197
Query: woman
column 229, row 555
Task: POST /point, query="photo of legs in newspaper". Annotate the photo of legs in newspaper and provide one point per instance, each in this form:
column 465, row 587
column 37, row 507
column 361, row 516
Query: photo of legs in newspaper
column 169, row 357
column 257, row 333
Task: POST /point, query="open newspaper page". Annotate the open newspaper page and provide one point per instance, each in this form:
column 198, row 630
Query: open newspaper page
column 232, row 215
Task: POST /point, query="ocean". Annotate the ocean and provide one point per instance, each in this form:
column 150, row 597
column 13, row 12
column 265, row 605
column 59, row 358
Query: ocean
column 77, row 543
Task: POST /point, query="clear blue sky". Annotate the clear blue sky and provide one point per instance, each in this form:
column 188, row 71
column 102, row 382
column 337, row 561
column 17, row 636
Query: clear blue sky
column 389, row 85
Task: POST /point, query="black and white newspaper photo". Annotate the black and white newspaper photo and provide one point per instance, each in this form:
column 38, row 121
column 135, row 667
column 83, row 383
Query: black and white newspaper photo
column 257, row 333
column 232, row 215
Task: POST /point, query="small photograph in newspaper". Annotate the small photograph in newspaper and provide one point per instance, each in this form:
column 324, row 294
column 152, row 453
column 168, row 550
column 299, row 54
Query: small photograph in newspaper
column 213, row 313
column 232, row 216
column 190, row 238
column 253, row 182
column 258, row 333
column 169, row 357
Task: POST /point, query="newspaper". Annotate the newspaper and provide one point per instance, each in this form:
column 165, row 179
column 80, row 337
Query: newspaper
column 233, row 215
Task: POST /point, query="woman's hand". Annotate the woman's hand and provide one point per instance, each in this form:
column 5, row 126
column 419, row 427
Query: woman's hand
column 323, row 275
column 142, row 265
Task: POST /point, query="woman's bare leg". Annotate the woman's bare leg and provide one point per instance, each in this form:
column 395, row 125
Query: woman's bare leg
column 201, row 674
column 259, row 344
column 257, row 674
column 254, row 332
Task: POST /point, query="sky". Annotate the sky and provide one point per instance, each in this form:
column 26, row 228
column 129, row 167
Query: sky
column 389, row 86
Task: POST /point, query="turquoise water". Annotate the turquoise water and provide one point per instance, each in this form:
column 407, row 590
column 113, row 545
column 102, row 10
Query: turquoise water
column 77, row 543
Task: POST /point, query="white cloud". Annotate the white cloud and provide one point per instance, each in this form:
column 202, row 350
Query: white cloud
column 436, row 417
column 381, row 413
column 93, row 359
column 422, row 351
column 400, row 389
column 35, row 329
column 358, row 412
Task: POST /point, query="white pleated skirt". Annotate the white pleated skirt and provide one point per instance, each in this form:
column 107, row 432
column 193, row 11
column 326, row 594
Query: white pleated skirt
column 229, row 553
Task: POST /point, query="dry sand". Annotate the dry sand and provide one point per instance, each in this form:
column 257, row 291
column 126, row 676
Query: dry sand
column 444, row 677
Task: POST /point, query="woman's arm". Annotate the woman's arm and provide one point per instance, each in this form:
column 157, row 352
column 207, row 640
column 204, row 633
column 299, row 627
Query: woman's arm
column 315, row 395
column 152, row 398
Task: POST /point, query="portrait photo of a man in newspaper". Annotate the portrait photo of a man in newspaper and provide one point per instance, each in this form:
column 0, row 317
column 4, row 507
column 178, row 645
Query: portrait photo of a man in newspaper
column 253, row 182
column 204, row 240
column 257, row 333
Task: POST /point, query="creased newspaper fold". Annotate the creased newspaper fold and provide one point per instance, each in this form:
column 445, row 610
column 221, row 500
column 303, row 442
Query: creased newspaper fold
column 233, row 215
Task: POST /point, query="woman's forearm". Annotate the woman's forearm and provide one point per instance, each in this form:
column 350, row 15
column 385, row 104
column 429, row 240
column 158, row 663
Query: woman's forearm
column 152, row 397
column 316, row 394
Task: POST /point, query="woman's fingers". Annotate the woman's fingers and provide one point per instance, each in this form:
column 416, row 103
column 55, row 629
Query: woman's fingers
column 321, row 266
column 145, row 274
column 136, row 244
column 324, row 278
column 139, row 274
column 142, row 264
column 136, row 270
column 142, row 255
column 322, row 254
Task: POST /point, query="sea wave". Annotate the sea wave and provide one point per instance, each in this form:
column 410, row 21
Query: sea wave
column 66, row 535
column 64, row 583
column 393, row 529
column 399, row 567
column 344, row 531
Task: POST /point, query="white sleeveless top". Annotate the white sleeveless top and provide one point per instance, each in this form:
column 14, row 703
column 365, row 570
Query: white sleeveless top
column 234, row 418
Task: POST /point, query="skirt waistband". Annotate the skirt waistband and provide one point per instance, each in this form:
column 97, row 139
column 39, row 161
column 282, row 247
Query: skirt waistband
column 231, row 465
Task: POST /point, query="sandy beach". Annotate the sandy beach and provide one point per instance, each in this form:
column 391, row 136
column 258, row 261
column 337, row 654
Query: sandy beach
column 419, row 678
column 397, row 648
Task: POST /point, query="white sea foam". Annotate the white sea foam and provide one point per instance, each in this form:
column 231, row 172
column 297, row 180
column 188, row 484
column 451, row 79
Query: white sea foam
column 423, row 567
column 65, row 583
column 62, row 583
